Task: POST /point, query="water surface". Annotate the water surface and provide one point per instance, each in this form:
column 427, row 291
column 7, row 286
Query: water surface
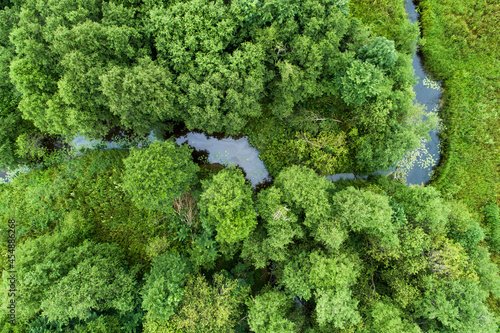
column 230, row 151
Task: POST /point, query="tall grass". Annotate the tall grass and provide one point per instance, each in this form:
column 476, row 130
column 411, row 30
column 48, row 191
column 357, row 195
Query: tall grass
column 461, row 48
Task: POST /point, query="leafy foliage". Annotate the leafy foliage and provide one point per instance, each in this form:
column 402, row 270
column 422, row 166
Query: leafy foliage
column 215, row 307
column 156, row 176
column 267, row 313
column 226, row 203
column 64, row 279
column 492, row 217
column 163, row 289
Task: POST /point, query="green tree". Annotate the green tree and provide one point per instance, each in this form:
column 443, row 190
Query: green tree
column 454, row 306
column 142, row 95
column 362, row 83
column 387, row 317
column 98, row 282
column 268, row 313
column 62, row 51
column 164, row 285
column 215, row 307
column 380, row 52
column 364, row 211
column 63, row 279
column 219, row 89
column 11, row 123
column 226, row 203
column 155, row 176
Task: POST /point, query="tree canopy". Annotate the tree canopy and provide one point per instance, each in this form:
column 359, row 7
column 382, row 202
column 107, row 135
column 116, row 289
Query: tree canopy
column 157, row 175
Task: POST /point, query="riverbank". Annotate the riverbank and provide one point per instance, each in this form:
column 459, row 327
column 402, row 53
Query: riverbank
column 460, row 44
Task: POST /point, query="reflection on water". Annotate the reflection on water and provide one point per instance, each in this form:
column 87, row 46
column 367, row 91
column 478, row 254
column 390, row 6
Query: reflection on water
column 428, row 93
column 230, row 151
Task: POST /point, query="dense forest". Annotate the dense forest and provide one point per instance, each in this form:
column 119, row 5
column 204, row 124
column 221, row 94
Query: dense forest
column 155, row 238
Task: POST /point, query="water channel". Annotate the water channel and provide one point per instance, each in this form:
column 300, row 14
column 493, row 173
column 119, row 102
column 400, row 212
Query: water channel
column 239, row 152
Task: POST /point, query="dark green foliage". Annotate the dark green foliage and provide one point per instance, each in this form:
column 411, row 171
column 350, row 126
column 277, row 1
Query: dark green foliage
column 380, row 53
column 98, row 282
column 142, row 96
column 218, row 66
column 155, row 176
column 492, row 219
column 362, row 83
column 219, row 90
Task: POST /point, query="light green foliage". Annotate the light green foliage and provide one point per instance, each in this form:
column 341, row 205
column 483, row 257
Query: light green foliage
column 295, row 275
column 216, row 307
column 387, row 317
column 326, row 152
column 11, row 123
column 303, row 190
column 164, row 286
column 63, row 280
column 267, row 313
column 338, row 272
column 424, row 207
column 281, row 228
column 62, row 51
column 226, row 203
column 98, row 282
column 337, row 308
column 364, row 211
column 454, row 306
column 488, row 272
column 388, row 18
column 362, row 83
column 41, row 199
column 333, row 277
column 463, row 227
column 449, row 259
column 40, row 263
column 155, row 176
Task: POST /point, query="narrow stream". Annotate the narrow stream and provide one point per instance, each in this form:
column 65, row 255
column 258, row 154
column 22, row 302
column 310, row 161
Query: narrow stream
column 428, row 93
column 418, row 165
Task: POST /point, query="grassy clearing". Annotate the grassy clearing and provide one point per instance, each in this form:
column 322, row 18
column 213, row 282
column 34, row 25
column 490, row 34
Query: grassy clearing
column 461, row 46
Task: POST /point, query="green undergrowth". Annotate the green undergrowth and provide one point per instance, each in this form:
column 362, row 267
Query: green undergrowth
column 90, row 187
column 460, row 44
column 387, row 18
